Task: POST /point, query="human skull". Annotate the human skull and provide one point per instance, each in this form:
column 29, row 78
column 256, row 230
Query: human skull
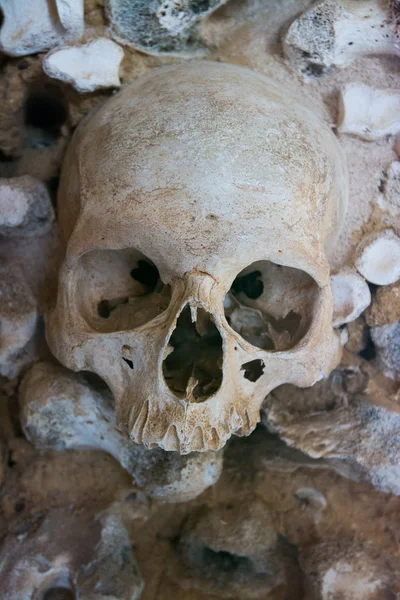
column 197, row 206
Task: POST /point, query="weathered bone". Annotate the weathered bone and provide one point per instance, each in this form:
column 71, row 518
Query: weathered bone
column 38, row 25
column 60, row 410
column 154, row 247
column 368, row 113
column 351, row 296
column 336, row 32
column 349, row 570
column 75, row 554
column 165, row 27
column 18, row 318
column 25, row 207
column 358, row 432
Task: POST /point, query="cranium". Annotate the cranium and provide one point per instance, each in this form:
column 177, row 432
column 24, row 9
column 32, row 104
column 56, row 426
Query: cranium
column 198, row 205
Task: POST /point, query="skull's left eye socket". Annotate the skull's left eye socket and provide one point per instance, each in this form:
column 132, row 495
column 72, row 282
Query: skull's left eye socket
column 119, row 290
column 272, row 306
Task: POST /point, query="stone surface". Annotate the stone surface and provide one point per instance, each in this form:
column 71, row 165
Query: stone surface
column 87, row 67
column 38, row 25
column 25, row 207
column 378, row 257
column 367, row 112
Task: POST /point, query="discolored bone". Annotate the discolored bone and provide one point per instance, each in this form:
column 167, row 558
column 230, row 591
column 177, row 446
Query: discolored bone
column 38, row 25
column 162, row 27
column 387, row 344
column 87, row 67
column 349, row 570
column 385, row 307
column 336, row 32
column 231, row 551
column 18, row 318
column 75, row 554
column 368, row 113
column 154, row 248
column 60, row 410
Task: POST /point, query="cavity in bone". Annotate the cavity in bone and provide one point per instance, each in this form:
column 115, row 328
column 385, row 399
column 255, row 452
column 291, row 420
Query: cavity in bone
column 117, row 296
column 253, row 369
column 193, row 368
column 270, row 305
column 147, row 274
column 250, row 284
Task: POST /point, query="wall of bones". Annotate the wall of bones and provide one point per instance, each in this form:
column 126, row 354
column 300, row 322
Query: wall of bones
column 200, row 299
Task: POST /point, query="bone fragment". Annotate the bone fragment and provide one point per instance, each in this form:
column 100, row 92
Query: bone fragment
column 378, row 257
column 25, row 207
column 39, row 25
column 18, row 316
column 87, row 67
column 60, row 410
column 369, row 113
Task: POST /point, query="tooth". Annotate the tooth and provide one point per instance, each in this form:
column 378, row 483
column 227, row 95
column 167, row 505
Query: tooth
column 171, row 440
column 197, row 441
column 137, row 429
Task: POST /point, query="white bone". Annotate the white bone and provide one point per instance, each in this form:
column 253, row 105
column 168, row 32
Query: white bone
column 88, row 67
column 167, row 27
column 351, row 296
column 336, row 32
column 25, row 207
column 38, row 25
column 368, row 113
column 378, row 257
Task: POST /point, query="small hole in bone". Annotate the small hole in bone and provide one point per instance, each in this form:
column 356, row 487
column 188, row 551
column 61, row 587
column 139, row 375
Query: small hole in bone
column 193, row 368
column 128, row 362
column 253, row 369
column 271, row 306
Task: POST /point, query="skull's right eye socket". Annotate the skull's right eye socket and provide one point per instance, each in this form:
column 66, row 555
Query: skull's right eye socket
column 119, row 290
column 272, row 306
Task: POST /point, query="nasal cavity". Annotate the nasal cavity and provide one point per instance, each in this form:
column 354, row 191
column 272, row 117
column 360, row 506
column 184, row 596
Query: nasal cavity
column 193, row 366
